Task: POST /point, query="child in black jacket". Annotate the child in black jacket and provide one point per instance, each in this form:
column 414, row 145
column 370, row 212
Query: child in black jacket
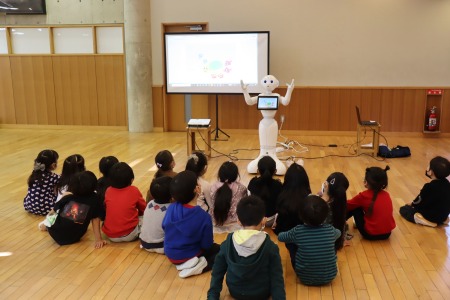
column 432, row 206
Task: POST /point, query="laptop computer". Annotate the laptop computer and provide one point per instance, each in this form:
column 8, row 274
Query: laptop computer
column 267, row 102
column 364, row 123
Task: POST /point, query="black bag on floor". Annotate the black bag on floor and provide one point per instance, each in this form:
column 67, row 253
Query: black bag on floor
column 399, row 151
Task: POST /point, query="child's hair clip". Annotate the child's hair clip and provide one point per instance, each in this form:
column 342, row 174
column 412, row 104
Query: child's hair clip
column 39, row 166
column 194, row 157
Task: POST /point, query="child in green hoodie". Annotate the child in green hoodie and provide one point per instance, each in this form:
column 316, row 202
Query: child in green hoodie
column 249, row 258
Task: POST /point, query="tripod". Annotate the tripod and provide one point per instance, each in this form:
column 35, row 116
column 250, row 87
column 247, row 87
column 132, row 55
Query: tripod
column 217, row 129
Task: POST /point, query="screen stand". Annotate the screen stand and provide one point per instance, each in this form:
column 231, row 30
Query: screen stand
column 217, row 129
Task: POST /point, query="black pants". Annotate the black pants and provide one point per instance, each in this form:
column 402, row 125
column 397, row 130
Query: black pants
column 408, row 212
column 210, row 255
column 292, row 248
column 358, row 215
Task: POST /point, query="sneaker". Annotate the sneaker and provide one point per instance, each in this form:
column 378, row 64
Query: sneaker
column 197, row 269
column 187, row 264
column 419, row 219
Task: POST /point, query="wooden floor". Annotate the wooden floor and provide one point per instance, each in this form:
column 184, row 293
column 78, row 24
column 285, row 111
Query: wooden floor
column 414, row 263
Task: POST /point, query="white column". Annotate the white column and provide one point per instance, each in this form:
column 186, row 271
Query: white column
column 138, row 59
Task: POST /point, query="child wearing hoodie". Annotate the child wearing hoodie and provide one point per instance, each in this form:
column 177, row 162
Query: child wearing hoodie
column 188, row 242
column 249, row 258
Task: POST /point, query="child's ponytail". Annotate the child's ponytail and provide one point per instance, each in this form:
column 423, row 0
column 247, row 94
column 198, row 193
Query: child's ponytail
column 377, row 180
column 222, row 204
column 228, row 173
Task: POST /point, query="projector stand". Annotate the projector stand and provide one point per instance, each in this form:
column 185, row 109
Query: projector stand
column 217, row 129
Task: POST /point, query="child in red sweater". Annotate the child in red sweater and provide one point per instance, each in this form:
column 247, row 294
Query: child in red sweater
column 124, row 204
column 372, row 208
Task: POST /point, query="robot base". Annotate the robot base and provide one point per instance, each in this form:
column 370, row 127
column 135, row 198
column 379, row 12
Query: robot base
column 252, row 167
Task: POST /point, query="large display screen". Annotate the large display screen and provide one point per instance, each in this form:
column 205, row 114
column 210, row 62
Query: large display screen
column 215, row 62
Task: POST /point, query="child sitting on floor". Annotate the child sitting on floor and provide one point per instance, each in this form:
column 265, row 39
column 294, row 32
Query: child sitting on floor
column 103, row 183
column 266, row 187
column 295, row 189
column 335, row 193
column 165, row 163
column 152, row 234
column 249, row 258
column 78, row 207
column 315, row 260
column 41, row 195
column 72, row 165
column 188, row 241
column 372, row 208
column 225, row 195
column 124, row 204
column 198, row 163
column 432, row 206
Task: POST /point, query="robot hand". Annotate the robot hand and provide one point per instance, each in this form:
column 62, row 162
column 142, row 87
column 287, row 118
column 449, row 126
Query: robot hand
column 290, row 86
column 244, row 86
column 249, row 100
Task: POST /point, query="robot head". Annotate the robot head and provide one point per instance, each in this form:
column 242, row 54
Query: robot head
column 269, row 82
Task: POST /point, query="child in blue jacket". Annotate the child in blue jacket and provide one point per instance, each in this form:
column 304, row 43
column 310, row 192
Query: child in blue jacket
column 188, row 241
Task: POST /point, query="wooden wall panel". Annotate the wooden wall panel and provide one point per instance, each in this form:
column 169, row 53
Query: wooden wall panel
column 235, row 113
column 175, row 112
column 403, row 110
column 111, row 90
column 33, row 86
column 90, row 90
column 7, row 109
column 200, row 107
column 445, row 112
column 333, row 109
column 75, row 89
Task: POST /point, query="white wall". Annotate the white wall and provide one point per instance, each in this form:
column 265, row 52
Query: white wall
column 317, row 42
column 330, row 42
column 72, row 12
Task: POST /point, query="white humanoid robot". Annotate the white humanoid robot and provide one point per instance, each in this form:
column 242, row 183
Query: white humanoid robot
column 268, row 127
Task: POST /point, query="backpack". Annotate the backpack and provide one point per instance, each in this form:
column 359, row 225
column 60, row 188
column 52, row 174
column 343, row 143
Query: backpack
column 399, row 151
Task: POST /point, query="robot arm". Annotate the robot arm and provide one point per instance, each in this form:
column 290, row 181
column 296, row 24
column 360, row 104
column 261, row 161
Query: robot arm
column 249, row 100
column 286, row 99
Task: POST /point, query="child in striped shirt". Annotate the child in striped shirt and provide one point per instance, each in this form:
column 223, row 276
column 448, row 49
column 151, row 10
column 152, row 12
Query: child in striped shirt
column 315, row 260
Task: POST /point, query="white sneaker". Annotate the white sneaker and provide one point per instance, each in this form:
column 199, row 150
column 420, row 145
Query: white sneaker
column 419, row 219
column 187, row 264
column 197, row 269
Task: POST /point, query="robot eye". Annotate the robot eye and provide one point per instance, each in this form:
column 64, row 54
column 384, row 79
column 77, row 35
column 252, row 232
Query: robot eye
column 271, row 81
column 265, row 81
